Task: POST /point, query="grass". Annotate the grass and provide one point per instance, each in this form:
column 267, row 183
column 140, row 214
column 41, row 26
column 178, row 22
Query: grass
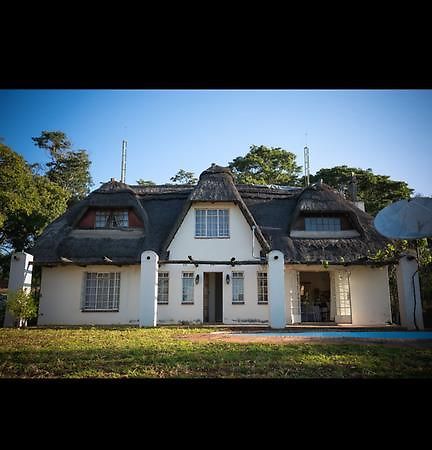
column 167, row 352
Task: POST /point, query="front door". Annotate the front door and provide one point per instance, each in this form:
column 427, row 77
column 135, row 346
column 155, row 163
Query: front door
column 212, row 296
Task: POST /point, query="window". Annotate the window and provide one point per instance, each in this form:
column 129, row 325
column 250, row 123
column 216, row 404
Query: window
column 102, row 291
column 188, row 287
column 111, row 219
column 322, row 224
column 238, row 287
column 262, row 287
column 212, row 223
column 343, row 303
column 163, row 283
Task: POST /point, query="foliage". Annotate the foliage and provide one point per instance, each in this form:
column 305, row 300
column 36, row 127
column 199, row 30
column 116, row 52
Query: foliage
column 266, row 165
column 377, row 191
column 22, row 305
column 142, row 182
column 177, row 352
column 28, row 202
column 184, row 177
column 68, row 168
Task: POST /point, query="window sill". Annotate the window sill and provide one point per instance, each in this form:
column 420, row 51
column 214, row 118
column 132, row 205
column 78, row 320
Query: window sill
column 187, row 303
column 99, row 310
column 238, row 303
column 164, row 303
column 262, row 303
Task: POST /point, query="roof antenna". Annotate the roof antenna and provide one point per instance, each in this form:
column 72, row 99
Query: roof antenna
column 306, row 163
column 123, row 164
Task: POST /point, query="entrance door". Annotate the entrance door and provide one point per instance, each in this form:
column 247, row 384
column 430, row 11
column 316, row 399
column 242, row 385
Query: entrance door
column 212, row 297
column 315, row 296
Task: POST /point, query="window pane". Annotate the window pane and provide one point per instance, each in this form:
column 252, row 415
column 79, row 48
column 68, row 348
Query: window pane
column 322, row 224
column 237, row 287
column 188, row 287
column 200, row 223
column 102, row 291
column 212, row 223
column 163, row 283
column 262, row 287
column 223, row 223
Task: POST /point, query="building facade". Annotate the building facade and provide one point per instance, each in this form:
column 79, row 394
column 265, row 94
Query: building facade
column 214, row 252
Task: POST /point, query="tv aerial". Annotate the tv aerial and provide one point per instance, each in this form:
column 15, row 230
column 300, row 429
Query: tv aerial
column 406, row 219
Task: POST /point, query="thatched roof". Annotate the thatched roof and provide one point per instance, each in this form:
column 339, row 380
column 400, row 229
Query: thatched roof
column 271, row 209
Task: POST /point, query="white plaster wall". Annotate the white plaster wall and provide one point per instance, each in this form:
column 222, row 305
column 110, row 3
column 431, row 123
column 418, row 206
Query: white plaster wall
column 238, row 245
column 370, row 296
column 61, row 292
column 175, row 311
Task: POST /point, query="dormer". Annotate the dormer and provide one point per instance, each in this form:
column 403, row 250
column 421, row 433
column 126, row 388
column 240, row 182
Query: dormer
column 322, row 213
column 112, row 207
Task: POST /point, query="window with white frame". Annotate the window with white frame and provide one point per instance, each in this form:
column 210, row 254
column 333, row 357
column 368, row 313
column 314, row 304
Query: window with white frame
column 322, row 224
column 212, row 223
column 262, row 287
column 111, row 219
column 187, row 287
column 163, row 288
column 102, row 291
column 343, row 303
column 238, row 287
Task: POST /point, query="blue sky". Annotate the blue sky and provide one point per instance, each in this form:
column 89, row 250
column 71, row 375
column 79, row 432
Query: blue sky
column 389, row 131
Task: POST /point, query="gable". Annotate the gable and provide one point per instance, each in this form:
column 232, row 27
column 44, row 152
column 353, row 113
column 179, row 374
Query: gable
column 238, row 244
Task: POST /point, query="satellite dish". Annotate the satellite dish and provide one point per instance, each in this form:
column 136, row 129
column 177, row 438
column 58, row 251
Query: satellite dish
column 406, row 219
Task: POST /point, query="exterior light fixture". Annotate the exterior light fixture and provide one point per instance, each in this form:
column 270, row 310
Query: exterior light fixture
column 197, row 279
column 227, row 278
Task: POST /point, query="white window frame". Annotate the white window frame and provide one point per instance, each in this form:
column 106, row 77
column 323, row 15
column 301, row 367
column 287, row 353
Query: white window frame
column 262, row 288
column 322, row 223
column 203, row 223
column 188, row 288
column 101, row 292
column 106, row 218
column 163, row 288
column 237, row 281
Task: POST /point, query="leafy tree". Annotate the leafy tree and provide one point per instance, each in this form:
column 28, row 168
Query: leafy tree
column 68, row 168
column 28, row 202
column 22, row 305
column 142, row 182
column 266, row 165
column 183, row 177
column 377, row 191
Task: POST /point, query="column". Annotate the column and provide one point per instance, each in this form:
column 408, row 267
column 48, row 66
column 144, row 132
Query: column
column 20, row 277
column 409, row 294
column 276, row 289
column 148, row 289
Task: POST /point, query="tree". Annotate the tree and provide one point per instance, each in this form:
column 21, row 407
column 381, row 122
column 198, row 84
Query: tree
column 183, row 177
column 22, row 305
column 377, row 191
column 28, row 202
column 266, row 165
column 68, row 168
column 142, row 182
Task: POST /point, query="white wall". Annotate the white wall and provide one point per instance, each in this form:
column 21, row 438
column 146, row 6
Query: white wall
column 61, row 293
column 175, row 311
column 239, row 244
column 370, row 296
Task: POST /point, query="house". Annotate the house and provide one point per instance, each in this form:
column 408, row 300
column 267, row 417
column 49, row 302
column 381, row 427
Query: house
column 214, row 252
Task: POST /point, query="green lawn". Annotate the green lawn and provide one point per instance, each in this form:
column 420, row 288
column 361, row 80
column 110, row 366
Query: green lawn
column 166, row 352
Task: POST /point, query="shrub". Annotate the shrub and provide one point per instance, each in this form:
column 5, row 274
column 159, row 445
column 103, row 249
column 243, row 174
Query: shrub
column 22, row 305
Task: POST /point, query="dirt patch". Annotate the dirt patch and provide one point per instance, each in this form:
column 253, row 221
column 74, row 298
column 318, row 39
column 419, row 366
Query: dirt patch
column 290, row 340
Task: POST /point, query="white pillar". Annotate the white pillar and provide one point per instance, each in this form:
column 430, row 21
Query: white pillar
column 408, row 295
column 20, row 278
column 148, row 289
column 276, row 289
